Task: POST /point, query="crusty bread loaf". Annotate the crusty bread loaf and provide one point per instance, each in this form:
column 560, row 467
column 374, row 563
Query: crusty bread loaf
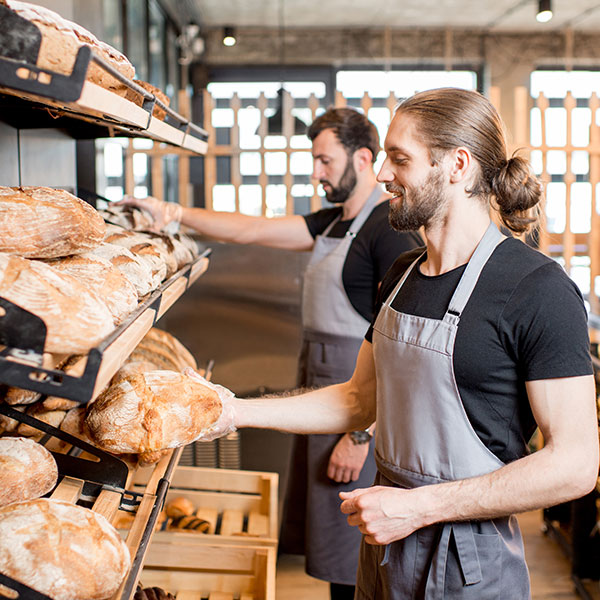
column 163, row 348
column 138, row 99
column 152, row 411
column 137, row 271
column 62, row 550
column 41, row 222
column 104, row 279
column 75, row 317
column 27, row 470
column 8, row 425
column 61, row 39
column 141, row 247
column 39, row 412
column 127, row 216
column 18, row 396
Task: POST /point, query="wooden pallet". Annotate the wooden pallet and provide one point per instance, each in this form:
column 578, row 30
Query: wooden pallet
column 241, row 506
column 193, row 571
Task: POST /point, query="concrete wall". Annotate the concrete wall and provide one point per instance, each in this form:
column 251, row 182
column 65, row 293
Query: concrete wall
column 508, row 58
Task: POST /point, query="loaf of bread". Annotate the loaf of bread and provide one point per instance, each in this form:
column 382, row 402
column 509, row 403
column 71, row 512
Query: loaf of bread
column 163, row 350
column 151, row 593
column 137, row 271
column 27, row 470
column 41, row 222
column 152, row 411
column 39, row 412
column 104, row 279
column 179, row 507
column 62, row 550
column 127, row 216
column 138, row 99
column 141, row 247
column 61, row 39
column 76, row 319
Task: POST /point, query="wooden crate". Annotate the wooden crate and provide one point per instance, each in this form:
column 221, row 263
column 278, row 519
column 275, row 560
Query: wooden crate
column 194, row 571
column 241, row 506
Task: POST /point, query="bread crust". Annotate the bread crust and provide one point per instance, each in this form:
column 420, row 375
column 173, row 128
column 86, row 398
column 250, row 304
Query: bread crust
column 43, row 222
column 27, row 470
column 76, row 319
column 152, row 411
column 62, row 550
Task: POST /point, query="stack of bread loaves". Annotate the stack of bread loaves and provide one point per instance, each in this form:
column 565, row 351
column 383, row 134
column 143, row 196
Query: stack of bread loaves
column 61, row 40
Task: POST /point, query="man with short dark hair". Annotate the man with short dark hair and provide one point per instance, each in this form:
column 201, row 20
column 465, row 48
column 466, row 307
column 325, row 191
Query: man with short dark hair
column 352, row 247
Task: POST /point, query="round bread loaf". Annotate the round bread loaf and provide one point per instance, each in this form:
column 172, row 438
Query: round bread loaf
column 62, row 550
column 41, row 222
column 180, row 507
column 152, row 411
column 27, row 470
column 76, row 318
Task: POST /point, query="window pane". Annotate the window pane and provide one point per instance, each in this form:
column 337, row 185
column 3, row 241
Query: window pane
column 137, row 36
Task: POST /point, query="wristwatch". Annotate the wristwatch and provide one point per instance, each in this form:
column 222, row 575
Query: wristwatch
column 360, row 437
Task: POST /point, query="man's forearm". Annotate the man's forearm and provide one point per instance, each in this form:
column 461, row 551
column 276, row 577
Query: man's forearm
column 223, row 226
column 334, row 409
column 539, row 480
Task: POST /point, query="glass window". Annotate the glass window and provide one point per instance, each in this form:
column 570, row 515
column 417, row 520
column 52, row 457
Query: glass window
column 156, row 41
column 113, row 24
column 172, row 54
column 137, row 37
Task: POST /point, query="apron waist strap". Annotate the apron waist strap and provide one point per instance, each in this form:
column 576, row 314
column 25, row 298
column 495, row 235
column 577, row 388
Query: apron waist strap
column 468, row 559
column 321, row 337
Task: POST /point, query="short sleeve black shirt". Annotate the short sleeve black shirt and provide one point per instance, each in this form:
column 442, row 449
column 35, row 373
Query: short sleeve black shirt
column 373, row 250
column 525, row 321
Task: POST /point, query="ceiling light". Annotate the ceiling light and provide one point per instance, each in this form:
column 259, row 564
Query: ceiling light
column 229, row 36
column 544, row 13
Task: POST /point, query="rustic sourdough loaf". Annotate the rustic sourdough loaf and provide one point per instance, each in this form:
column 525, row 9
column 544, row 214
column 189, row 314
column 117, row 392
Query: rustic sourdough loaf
column 137, row 271
column 75, row 317
column 27, row 470
column 61, row 39
column 41, row 222
column 104, row 279
column 62, row 550
column 152, row 411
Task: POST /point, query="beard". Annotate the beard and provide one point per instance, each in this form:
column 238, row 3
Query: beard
column 340, row 193
column 417, row 206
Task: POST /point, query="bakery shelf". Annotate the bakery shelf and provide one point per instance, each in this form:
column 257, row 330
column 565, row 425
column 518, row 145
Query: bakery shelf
column 241, row 507
column 226, row 572
column 75, row 102
column 85, row 379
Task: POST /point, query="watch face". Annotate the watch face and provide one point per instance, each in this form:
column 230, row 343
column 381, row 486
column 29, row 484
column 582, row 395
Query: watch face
column 360, row 437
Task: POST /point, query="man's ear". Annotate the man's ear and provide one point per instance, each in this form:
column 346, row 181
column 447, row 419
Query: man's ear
column 362, row 159
column 461, row 162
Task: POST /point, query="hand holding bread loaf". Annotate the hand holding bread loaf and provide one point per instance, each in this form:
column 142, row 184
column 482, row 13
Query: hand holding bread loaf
column 152, row 411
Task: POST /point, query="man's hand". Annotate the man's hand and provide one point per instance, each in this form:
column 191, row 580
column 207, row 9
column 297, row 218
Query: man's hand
column 162, row 213
column 383, row 514
column 347, row 460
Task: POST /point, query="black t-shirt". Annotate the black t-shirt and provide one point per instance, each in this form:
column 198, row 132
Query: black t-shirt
column 375, row 247
column 525, row 321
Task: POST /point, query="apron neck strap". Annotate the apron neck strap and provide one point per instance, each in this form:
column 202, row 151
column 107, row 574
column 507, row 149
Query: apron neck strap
column 491, row 238
column 364, row 212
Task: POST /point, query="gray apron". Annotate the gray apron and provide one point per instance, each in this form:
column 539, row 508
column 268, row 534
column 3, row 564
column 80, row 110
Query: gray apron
column 424, row 437
column 333, row 332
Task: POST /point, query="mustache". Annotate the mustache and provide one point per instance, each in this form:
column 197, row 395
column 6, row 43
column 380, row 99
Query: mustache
column 325, row 182
column 394, row 189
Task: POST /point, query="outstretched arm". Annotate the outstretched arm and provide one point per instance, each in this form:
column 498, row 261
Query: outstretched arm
column 334, row 409
column 289, row 232
column 564, row 469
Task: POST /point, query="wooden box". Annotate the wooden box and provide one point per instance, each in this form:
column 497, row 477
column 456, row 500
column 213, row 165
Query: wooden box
column 193, row 571
column 241, row 506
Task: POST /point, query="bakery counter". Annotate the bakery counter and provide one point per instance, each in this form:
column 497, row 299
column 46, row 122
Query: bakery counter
column 85, row 377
